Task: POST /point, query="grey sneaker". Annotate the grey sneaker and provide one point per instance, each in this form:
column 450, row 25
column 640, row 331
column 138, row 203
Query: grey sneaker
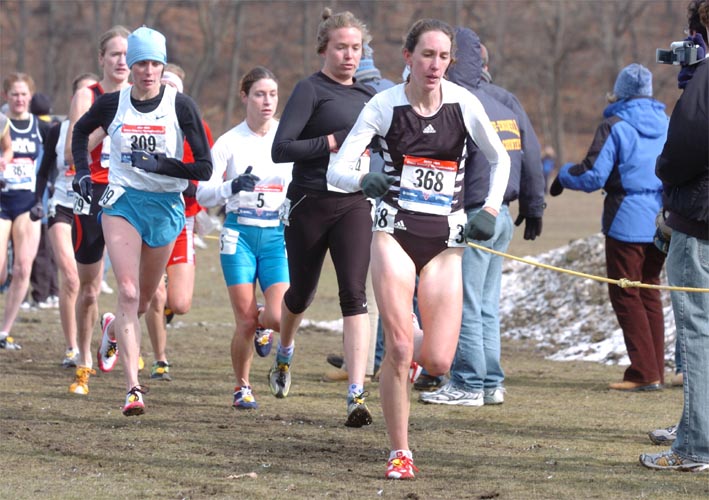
column 663, row 436
column 451, row 395
column 279, row 379
column 71, row 356
column 494, row 396
column 357, row 412
column 669, row 460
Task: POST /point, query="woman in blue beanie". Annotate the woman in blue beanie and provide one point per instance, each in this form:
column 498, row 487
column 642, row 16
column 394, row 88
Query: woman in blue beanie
column 142, row 208
column 621, row 161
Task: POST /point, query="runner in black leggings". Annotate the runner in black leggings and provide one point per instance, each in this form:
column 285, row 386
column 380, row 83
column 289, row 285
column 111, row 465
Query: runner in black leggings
column 315, row 122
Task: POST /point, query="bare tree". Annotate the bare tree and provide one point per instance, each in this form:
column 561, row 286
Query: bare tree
column 213, row 15
column 233, row 93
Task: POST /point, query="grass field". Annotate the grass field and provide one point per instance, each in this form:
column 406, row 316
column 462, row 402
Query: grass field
column 560, row 434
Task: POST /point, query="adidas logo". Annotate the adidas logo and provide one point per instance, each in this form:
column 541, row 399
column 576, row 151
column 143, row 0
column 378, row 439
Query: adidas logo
column 429, row 129
column 400, row 225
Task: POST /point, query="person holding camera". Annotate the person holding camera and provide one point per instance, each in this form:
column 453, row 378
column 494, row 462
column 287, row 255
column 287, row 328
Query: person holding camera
column 683, row 168
column 621, row 161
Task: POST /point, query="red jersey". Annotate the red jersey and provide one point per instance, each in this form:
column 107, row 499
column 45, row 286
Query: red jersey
column 191, row 205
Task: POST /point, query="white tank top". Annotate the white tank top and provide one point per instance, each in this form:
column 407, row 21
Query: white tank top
column 155, row 132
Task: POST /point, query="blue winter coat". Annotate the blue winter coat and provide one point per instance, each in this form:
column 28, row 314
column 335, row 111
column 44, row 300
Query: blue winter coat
column 621, row 161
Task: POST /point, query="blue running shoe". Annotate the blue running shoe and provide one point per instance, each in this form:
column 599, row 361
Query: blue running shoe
column 244, row 398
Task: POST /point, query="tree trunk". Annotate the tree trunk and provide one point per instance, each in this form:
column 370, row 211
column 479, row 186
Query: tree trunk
column 233, row 92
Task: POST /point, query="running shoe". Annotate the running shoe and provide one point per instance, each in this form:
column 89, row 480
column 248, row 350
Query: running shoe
column 414, row 372
column 358, row 414
column 161, row 371
column 134, row 401
column 401, row 467
column 663, row 436
column 494, row 396
column 108, row 350
column 8, row 343
column 244, row 398
column 81, row 381
column 169, row 314
column 669, row 460
column 263, row 340
column 452, row 395
column 279, row 378
column 71, row 356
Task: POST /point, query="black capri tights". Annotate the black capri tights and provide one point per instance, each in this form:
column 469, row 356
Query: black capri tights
column 322, row 221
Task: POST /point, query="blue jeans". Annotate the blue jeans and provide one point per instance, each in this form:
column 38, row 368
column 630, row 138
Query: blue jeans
column 476, row 365
column 688, row 265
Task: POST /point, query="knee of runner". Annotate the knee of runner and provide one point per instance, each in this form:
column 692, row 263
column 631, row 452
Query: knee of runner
column 399, row 353
column 435, row 365
column 296, row 304
column 180, row 306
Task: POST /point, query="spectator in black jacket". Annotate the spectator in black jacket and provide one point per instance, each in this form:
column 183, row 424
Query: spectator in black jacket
column 683, row 168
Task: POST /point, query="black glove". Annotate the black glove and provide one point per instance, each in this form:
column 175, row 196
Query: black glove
column 375, row 184
column 244, row 182
column 145, row 160
column 82, row 186
column 556, row 188
column 3, row 183
column 532, row 228
column 687, row 72
column 481, row 227
column 190, row 191
column 37, row 211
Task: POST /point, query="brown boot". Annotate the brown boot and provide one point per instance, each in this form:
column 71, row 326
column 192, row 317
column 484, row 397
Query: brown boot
column 628, row 386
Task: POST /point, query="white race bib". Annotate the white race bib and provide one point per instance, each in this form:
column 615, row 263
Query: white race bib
column 384, row 216
column 150, row 138
column 427, row 185
column 228, row 239
column 262, row 206
column 20, row 174
column 111, row 195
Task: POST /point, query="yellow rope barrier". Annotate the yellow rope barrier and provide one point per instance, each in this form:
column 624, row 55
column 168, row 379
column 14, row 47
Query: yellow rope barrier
column 622, row 282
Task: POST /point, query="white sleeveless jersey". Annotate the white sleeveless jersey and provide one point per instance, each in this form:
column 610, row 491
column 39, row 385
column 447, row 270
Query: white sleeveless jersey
column 63, row 191
column 233, row 152
column 154, row 132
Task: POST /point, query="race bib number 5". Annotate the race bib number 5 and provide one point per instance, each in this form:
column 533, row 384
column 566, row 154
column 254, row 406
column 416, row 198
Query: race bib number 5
column 427, row 185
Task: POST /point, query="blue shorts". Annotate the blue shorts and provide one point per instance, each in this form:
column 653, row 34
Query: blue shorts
column 15, row 203
column 250, row 252
column 158, row 217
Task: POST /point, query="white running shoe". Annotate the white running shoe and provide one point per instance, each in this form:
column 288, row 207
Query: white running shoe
column 494, row 396
column 108, row 351
column 451, row 395
column 106, row 288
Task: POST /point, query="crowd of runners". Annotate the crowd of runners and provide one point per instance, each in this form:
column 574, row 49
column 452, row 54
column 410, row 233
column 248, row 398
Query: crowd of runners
column 134, row 163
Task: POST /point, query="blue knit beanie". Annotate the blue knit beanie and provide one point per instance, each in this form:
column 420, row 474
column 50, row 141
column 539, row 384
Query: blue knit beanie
column 633, row 80
column 366, row 69
column 146, row 44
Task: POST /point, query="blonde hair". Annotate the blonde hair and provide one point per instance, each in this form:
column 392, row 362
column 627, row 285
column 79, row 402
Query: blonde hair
column 176, row 69
column 13, row 78
column 332, row 22
column 117, row 30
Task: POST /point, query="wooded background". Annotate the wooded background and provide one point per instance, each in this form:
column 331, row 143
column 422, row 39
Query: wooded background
column 560, row 57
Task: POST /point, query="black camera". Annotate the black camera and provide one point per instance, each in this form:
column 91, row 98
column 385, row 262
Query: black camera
column 684, row 53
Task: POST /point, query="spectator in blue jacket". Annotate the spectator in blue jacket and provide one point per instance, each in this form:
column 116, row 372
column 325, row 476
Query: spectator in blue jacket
column 476, row 376
column 621, row 161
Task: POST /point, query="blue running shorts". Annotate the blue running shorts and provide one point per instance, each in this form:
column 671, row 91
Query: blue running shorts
column 158, row 217
column 251, row 252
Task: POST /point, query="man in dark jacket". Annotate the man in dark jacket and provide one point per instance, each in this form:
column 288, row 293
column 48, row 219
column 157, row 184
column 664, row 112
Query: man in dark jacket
column 683, row 167
column 476, row 374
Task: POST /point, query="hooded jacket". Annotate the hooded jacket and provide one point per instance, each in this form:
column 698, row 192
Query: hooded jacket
column 526, row 181
column 621, row 161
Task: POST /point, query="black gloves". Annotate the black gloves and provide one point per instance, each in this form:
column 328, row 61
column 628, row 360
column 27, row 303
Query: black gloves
column 190, row 191
column 556, row 187
column 687, row 72
column 244, row 182
column 82, row 186
column 37, row 211
column 375, row 184
column 532, row 228
column 481, row 227
column 145, row 160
